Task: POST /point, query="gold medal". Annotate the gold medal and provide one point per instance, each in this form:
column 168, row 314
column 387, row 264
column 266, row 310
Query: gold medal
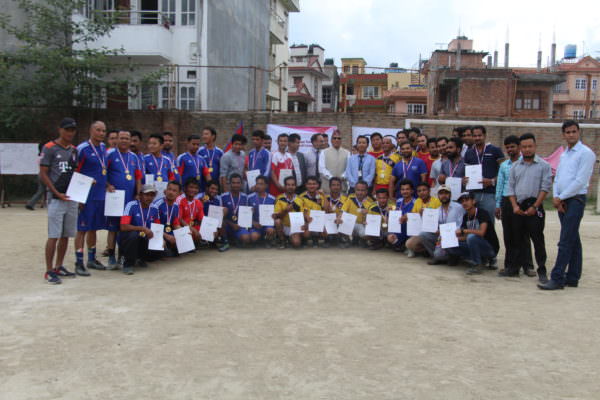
column 234, row 218
column 210, row 169
column 128, row 177
column 197, row 177
column 168, row 229
column 142, row 234
column 384, row 225
column 103, row 171
column 159, row 178
column 382, row 175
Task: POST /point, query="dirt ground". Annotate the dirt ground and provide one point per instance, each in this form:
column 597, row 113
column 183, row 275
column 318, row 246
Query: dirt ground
column 287, row 324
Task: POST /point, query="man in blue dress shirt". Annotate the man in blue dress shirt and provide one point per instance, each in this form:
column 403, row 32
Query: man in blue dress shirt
column 361, row 166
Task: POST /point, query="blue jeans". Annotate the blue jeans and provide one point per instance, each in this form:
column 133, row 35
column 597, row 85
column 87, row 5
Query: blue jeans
column 475, row 248
column 569, row 244
column 486, row 201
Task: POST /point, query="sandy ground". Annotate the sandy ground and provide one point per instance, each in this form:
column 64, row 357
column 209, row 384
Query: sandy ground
column 286, row 324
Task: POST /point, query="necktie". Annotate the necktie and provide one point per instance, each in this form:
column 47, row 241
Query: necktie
column 317, row 169
column 360, row 165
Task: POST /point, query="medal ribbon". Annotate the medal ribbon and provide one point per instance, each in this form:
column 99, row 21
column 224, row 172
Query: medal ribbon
column 125, row 164
column 100, row 159
column 159, row 168
column 142, row 212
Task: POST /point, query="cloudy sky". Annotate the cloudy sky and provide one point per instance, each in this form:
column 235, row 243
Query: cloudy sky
column 385, row 31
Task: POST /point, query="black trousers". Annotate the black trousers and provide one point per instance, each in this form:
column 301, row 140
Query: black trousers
column 526, row 228
column 511, row 262
column 133, row 247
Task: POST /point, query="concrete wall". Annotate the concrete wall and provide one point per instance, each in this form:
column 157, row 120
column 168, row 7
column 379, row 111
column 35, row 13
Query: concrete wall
column 17, row 18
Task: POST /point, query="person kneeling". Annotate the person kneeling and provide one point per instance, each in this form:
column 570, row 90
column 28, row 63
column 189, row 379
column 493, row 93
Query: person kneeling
column 191, row 210
column 168, row 215
column 255, row 200
column 313, row 199
column 357, row 204
column 232, row 201
column 285, row 204
column 382, row 208
column 405, row 204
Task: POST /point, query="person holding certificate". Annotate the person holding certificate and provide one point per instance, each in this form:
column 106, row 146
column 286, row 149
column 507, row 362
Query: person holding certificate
column 314, row 199
column 424, row 200
column 404, row 204
column 190, row 165
column 259, row 158
column 158, row 165
column 358, row 205
column 334, row 202
column 280, row 161
column 212, row 198
column 385, row 164
column 168, row 215
column 285, row 204
column 452, row 172
column 211, row 153
column 261, row 230
column 135, row 229
column 191, row 209
column 232, row 201
column 382, row 208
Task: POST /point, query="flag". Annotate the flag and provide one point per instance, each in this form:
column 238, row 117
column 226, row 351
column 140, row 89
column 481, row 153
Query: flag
column 238, row 131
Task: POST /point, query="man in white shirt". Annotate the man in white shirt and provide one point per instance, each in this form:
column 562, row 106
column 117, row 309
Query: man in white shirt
column 333, row 162
column 313, row 155
column 298, row 160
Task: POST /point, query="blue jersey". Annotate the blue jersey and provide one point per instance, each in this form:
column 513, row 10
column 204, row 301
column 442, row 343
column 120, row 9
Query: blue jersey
column 411, row 170
column 123, row 171
column 191, row 166
column 405, row 208
column 212, row 159
column 160, row 167
column 207, row 201
column 92, row 163
column 168, row 154
column 232, row 203
column 254, row 201
column 134, row 214
column 168, row 215
column 260, row 160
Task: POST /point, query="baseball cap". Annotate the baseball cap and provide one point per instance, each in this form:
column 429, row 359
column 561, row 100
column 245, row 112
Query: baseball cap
column 445, row 188
column 465, row 195
column 67, row 123
column 148, row 188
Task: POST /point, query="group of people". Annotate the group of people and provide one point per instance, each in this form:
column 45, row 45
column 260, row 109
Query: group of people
column 287, row 190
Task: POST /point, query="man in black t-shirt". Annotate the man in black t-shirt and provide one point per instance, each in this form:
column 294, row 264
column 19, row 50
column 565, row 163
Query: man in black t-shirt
column 477, row 237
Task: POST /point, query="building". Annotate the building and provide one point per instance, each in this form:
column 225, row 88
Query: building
column 406, row 92
column 213, row 55
column 578, row 96
column 306, row 74
column 18, row 17
column 277, row 94
column 331, row 85
column 460, row 84
column 361, row 91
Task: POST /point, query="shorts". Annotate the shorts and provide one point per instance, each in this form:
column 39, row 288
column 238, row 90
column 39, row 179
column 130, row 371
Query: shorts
column 231, row 234
column 62, row 218
column 91, row 217
column 287, row 229
column 262, row 231
column 359, row 231
column 113, row 224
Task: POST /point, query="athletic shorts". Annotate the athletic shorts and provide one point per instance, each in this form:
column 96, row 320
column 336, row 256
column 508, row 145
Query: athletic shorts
column 62, row 218
column 91, row 217
column 113, row 224
column 231, row 234
column 287, row 230
column 262, row 231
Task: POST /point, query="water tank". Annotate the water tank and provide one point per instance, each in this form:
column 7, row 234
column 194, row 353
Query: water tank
column 570, row 51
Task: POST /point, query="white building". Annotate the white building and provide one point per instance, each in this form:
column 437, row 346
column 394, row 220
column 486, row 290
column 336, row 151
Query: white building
column 305, row 80
column 277, row 97
column 331, row 87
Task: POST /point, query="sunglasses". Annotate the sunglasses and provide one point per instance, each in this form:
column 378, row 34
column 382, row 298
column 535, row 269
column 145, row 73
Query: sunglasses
column 336, row 138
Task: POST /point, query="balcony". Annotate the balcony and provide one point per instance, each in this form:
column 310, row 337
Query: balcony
column 277, row 29
column 291, row 5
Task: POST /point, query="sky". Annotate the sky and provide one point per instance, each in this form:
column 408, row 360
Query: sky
column 386, row 31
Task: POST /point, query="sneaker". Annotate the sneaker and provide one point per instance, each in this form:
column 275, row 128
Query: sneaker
column 112, row 264
column 410, row 253
column 30, row 208
column 325, row 244
column 140, row 264
column 95, row 264
column 105, row 253
column 435, row 261
column 281, row 244
column 128, row 270
column 52, row 278
column 81, row 270
column 223, row 247
column 493, row 264
column 474, row 270
column 63, row 272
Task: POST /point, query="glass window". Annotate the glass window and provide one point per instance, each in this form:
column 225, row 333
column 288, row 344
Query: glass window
column 326, row 95
column 188, row 97
column 168, row 12
column 188, row 12
column 416, row 108
column 371, row 91
column 580, row 84
column 355, row 69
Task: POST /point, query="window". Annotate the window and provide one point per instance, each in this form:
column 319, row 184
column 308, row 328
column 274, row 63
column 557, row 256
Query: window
column 188, row 12
column 416, row 108
column 355, row 69
column 188, row 97
column 191, row 74
column 326, row 95
column 594, row 84
column 346, row 68
column 580, row 84
column 297, row 80
column 578, row 114
column 168, row 12
column 350, row 90
column 370, row 91
column 528, row 101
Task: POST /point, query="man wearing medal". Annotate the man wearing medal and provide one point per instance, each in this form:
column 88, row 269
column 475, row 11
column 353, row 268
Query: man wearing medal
column 286, row 203
column 168, row 215
column 334, row 202
column 255, row 200
column 124, row 173
column 192, row 166
column 156, row 164
column 410, row 167
column 232, row 201
column 380, row 207
column 385, row 164
column 357, row 204
column 314, row 199
column 211, row 153
column 92, row 163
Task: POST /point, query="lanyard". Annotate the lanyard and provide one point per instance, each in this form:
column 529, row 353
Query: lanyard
column 334, row 202
column 471, row 221
column 100, row 159
column 235, row 209
column 444, row 216
column 290, row 201
column 384, row 214
column 253, row 162
column 480, row 160
column 452, row 171
column 158, row 168
column 169, row 213
column 125, row 164
column 359, row 203
column 196, row 164
column 142, row 212
column 210, row 162
column 406, row 168
column 264, row 199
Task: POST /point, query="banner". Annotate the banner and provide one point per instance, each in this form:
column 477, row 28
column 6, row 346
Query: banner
column 368, row 131
column 305, row 133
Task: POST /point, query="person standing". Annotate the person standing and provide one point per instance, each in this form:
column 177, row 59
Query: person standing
column 385, row 164
column 454, row 166
column 410, row 167
column 436, row 167
column 210, row 152
column 59, row 160
column 313, row 155
column 233, row 161
column 136, row 148
column 298, row 160
column 570, row 189
column 191, row 166
column 91, row 156
column 376, row 145
column 529, row 182
column 158, row 165
column 280, row 160
column 41, row 189
column 334, row 162
column 360, row 166
column 167, row 149
column 258, row 158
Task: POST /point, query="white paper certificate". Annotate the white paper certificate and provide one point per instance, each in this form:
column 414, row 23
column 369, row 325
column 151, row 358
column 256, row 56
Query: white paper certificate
column 284, row 173
column 208, row 227
column 413, row 226
column 245, row 217
column 330, row 225
column 79, row 187
column 183, row 240
column 157, row 241
column 216, row 212
column 373, row 226
column 149, row 179
column 429, row 222
column 160, row 188
column 296, row 221
column 114, row 203
column 448, row 234
column 251, row 177
column 455, row 185
column 318, row 221
column 265, row 214
column 474, row 173
column 347, row 225
column 394, row 225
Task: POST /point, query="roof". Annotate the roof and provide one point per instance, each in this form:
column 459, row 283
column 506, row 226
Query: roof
column 541, row 78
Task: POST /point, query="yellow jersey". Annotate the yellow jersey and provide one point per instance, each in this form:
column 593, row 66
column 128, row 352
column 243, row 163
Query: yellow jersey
column 313, row 203
column 336, row 204
column 433, row 202
column 354, row 206
column 281, row 204
column 384, row 166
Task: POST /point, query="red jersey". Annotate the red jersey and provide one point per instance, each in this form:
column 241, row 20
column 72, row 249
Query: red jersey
column 375, row 153
column 279, row 161
column 191, row 212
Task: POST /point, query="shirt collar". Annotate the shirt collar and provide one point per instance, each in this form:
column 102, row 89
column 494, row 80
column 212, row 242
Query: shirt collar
column 576, row 147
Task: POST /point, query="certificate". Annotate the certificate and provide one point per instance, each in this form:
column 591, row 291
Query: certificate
column 245, row 217
column 296, row 222
column 318, row 221
column 160, row 188
column 251, row 177
column 149, row 179
column 474, row 173
column 216, row 212
column 79, row 187
column 394, row 225
column 284, row 173
column 347, row 225
column 455, row 185
column 413, row 226
column 429, row 222
column 330, row 225
column 373, row 226
column 114, row 203
column 265, row 214
column 208, row 227
column 448, row 234
column 157, row 241
column 183, row 240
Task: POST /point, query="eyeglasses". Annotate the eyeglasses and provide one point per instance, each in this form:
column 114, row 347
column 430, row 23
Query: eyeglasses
column 336, row 138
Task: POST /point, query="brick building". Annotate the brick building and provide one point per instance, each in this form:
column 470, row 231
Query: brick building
column 577, row 96
column 360, row 91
